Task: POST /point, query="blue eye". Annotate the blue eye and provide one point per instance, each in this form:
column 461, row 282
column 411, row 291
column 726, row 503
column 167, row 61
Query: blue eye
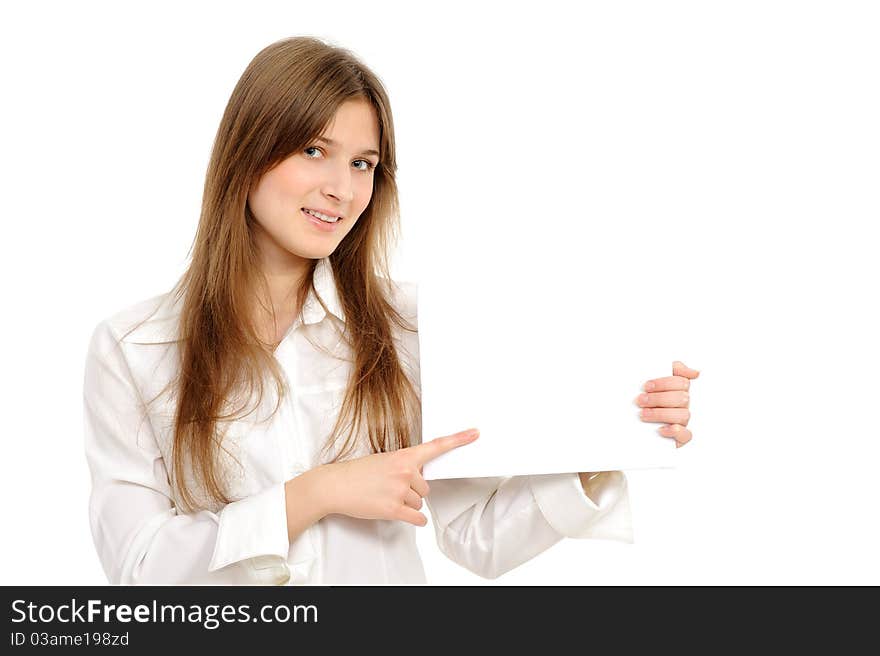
column 369, row 165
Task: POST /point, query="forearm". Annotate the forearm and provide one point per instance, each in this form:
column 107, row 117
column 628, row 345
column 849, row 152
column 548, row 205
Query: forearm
column 491, row 525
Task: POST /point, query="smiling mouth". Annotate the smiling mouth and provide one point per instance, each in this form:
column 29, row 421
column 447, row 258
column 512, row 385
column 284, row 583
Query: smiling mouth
column 326, row 218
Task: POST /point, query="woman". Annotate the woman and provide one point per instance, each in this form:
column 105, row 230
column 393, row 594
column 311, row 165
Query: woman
column 260, row 423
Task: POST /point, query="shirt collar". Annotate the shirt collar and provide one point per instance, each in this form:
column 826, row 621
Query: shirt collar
column 325, row 285
column 162, row 326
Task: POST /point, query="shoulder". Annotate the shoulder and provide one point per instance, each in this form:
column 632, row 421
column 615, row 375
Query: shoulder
column 120, row 350
column 150, row 321
column 153, row 320
column 405, row 297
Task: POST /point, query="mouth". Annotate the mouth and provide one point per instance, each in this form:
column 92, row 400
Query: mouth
column 323, row 216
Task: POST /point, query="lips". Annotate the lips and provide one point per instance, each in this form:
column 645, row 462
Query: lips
column 325, row 212
column 323, row 226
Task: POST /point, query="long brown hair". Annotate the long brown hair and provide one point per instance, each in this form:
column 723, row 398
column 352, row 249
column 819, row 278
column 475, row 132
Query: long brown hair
column 285, row 98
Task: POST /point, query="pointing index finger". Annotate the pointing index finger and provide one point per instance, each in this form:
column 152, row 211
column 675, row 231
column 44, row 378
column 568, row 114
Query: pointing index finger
column 440, row 445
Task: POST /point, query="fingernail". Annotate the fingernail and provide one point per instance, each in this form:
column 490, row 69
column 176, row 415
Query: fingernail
column 649, row 386
column 472, row 433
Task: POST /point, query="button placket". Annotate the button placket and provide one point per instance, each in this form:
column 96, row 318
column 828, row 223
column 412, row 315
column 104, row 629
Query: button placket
column 291, row 432
column 281, row 421
column 290, row 437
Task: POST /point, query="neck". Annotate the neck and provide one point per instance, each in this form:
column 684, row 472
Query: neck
column 284, row 273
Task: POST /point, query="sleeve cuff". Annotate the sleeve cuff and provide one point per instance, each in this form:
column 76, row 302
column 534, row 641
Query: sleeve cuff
column 251, row 527
column 573, row 514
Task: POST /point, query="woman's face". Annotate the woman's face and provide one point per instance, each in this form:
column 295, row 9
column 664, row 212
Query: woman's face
column 333, row 175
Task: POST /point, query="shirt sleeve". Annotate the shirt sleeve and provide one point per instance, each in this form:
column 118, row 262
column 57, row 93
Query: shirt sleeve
column 492, row 525
column 139, row 534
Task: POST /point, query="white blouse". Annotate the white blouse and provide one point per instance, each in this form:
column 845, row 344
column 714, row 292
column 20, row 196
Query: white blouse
column 487, row 525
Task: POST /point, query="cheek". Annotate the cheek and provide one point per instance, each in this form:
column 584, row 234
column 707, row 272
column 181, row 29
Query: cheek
column 295, row 181
column 263, row 196
column 279, row 192
column 259, row 201
column 363, row 193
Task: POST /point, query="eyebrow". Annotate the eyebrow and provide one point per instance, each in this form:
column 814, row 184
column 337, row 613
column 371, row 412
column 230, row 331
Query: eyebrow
column 331, row 142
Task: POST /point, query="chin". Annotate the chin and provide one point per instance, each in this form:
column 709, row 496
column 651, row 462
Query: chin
column 313, row 253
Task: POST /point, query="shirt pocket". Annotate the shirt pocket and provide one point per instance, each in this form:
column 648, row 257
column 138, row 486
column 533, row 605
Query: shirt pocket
column 249, row 458
column 254, row 461
column 318, row 408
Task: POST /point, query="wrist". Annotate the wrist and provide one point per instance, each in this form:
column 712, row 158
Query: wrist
column 319, row 489
column 588, row 481
column 305, row 498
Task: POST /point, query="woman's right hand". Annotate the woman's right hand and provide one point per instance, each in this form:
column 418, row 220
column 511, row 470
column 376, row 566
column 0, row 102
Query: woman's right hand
column 386, row 485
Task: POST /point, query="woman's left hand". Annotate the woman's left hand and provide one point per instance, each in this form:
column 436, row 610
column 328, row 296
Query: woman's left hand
column 666, row 400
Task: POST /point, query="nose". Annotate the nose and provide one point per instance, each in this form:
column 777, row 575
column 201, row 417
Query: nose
column 338, row 184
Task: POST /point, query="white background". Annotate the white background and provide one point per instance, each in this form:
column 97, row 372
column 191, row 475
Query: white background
column 752, row 122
